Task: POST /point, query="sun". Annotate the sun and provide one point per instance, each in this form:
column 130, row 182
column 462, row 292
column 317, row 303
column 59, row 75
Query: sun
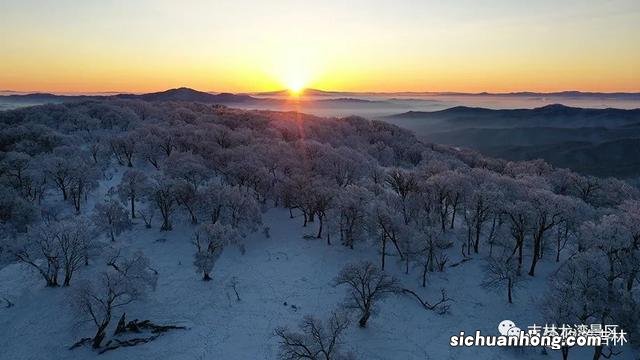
column 295, row 87
column 295, row 74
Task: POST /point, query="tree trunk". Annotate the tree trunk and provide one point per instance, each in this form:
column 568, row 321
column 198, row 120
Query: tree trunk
column 384, row 249
column 406, row 265
column 509, row 286
column 424, row 275
column 206, row 276
column 320, row 218
column 122, row 325
column 76, row 203
column 67, row 278
column 537, row 241
column 453, row 217
column 52, row 281
column 534, row 261
column 100, row 333
column 365, row 317
column 520, row 246
column 166, row 224
column 631, row 280
column 133, row 207
column 558, row 250
column 468, row 241
column 476, row 244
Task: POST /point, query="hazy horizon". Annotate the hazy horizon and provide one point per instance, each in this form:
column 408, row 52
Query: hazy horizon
column 284, row 90
column 377, row 105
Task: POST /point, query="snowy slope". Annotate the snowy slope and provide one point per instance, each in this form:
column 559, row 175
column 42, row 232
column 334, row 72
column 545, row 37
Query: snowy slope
column 283, row 268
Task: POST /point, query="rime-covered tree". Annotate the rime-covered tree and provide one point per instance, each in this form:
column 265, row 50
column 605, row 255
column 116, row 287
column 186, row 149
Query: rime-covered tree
column 386, row 224
column 342, row 165
column 316, row 340
column 518, row 213
column 296, row 193
column 59, row 170
column 75, row 241
column 481, row 203
column 568, row 299
column 444, row 196
column 124, row 147
column 241, row 210
column 16, row 212
column 404, row 183
column 14, row 167
column 127, row 280
column 322, row 198
column 578, row 292
column 133, row 185
column 64, row 245
column 548, row 210
column 351, row 211
column 187, row 167
column 366, row 286
column 630, row 224
column 502, row 274
column 83, row 179
column 97, row 148
column 609, row 253
column 430, row 249
column 188, row 197
column 149, row 150
column 157, row 143
column 41, row 243
column 210, row 240
column 111, row 217
column 212, row 201
column 162, row 194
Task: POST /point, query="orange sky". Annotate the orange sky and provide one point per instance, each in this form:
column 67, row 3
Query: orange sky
column 376, row 45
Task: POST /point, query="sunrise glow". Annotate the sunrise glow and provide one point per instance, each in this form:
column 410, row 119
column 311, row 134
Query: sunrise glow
column 368, row 46
column 296, row 87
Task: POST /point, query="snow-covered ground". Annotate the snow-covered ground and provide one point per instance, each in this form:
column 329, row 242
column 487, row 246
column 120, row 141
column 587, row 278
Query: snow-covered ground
column 283, row 269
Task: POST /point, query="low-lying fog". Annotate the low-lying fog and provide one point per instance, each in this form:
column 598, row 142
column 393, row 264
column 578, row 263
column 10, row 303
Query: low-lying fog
column 372, row 105
column 380, row 105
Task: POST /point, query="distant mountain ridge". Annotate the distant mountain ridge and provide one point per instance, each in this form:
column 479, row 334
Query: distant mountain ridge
column 190, row 95
column 600, row 142
column 547, row 109
column 187, row 94
column 560, row 94
column 178, row 94
column 554, row 115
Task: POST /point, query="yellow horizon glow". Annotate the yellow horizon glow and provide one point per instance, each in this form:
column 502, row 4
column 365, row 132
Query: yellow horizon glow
column 376, row 45
column 296, row 88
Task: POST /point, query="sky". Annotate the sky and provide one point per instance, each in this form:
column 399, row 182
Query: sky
column 373, row 45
